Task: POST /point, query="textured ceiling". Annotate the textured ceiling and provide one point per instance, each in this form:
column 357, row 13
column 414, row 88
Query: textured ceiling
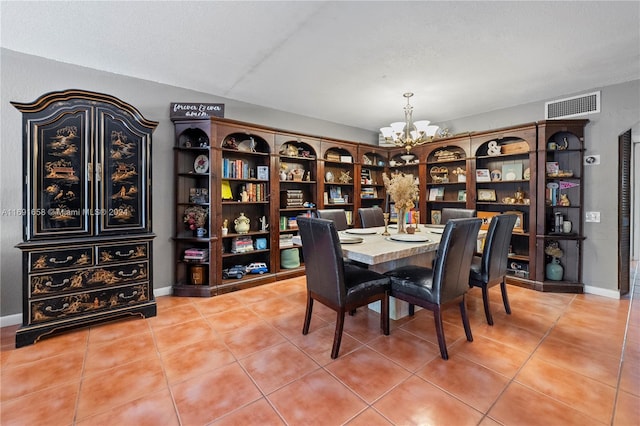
column 346, row 62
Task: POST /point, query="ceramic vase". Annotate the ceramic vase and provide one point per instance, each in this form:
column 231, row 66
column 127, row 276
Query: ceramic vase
column 554, row 270
column 242, row 224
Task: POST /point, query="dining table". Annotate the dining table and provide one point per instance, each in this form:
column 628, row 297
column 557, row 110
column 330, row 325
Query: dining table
column 383, row 253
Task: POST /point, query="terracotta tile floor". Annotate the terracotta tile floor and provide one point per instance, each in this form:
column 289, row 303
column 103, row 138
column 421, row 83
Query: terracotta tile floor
column 241, row 359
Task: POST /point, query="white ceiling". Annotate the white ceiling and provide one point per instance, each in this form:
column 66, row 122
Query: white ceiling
column 347, row 62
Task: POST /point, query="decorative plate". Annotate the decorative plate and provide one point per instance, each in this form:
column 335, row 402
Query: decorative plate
column 496, row 175
column 350, row 240
column 201, row 165
column 361, row 231
column 526, row 175
column 410, row 238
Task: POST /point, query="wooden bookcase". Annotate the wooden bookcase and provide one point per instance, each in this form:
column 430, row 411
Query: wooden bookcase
column 350, row 174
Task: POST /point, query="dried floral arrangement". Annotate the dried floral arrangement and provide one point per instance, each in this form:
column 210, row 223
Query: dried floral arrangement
column 402, row 189
column 195, row 217
column 554, row 250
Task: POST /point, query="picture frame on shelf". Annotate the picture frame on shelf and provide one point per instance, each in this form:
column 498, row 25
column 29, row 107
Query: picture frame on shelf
column 487, row 195
column 512, row 171
column 483, row 175
column 436, row 194
column 519, row 226
column 462, row 195
column 486, row 219
column 263, row 172
column 436, row 217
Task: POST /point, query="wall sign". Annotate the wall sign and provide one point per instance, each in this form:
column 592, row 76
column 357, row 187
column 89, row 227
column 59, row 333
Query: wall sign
column 196, row 110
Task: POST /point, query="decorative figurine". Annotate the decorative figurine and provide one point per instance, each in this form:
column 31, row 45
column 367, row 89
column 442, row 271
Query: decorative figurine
column 344, row 176
column 263, row 223
column 386, row 223
column 230, row 143
column 564, row 200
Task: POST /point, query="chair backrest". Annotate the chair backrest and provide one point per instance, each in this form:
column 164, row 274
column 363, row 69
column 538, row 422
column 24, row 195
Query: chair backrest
column 452, row 264
column 338, row 216
column 496, row 247
column 451, row 213
column 371, row 217
column 323, row 262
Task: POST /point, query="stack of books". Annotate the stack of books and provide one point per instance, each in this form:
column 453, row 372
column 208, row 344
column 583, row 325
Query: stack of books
column 286, row 240
column 196, row 255
column 291, row 198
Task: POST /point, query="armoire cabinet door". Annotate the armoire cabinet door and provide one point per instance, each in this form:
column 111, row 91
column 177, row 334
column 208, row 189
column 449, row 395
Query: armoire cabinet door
column 121, row 173
column 58, row 193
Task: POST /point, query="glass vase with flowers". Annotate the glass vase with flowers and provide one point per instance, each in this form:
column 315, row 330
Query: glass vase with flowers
column 403, row 191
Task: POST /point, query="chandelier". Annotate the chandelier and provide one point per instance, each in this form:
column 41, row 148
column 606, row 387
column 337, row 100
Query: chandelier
column 408, row 133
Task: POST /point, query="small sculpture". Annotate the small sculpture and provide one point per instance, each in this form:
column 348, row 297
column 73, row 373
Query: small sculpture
column 230, row 143
column 263, row 223
column 344, row 176
column 493, row 149
column 564, row 200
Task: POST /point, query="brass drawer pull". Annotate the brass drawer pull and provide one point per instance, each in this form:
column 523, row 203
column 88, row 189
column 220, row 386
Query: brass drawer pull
column 64, row 308
column 134, row 294
column 122, row 274
column 67, row 260
column 118, row 253
column 64, row 282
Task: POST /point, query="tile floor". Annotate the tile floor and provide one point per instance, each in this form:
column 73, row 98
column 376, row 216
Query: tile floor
column 240, row 359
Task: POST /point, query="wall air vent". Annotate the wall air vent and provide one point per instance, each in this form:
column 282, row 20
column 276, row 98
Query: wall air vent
column 572, row 107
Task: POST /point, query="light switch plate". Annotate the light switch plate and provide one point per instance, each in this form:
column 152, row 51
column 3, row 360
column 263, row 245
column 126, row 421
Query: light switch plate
column 592, row 216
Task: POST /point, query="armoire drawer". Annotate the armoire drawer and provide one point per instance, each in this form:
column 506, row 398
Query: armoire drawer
column 112, row 253
column 74, row 280
column 87, row 303
column 43, row 260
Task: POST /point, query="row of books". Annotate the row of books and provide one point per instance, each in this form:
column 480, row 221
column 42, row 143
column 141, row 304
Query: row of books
column 236, row 169
column 256, row 192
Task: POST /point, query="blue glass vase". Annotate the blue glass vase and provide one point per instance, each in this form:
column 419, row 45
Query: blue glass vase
column 554, row 270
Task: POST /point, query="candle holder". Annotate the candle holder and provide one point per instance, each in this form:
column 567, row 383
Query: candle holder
column 386, row 223
column 416, row 217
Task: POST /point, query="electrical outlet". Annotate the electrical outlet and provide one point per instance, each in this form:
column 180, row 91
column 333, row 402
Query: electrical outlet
column 592, row 216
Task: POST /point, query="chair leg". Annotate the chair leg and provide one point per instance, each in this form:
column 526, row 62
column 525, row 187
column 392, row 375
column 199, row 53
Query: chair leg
column 505, row 298
column 412, row 309
column 465, row 318
column 307, row 315
column 337, row 338
column 487, row 307
column 384, row 314
column 437, row 316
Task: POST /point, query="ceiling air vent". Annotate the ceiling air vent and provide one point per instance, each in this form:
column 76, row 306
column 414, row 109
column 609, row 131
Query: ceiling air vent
column 573, row 107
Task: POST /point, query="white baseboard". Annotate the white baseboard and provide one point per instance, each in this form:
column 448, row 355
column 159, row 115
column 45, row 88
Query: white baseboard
column 15, row 319
column 613, row 294
column 164, row 291
column 10, row 320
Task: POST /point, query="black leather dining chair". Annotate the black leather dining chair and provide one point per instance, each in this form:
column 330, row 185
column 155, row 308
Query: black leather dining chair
column 339, row 286
column 491, row 268
column 338, row 216
column 453, row 213
column 446, row 282
column 371, row 217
